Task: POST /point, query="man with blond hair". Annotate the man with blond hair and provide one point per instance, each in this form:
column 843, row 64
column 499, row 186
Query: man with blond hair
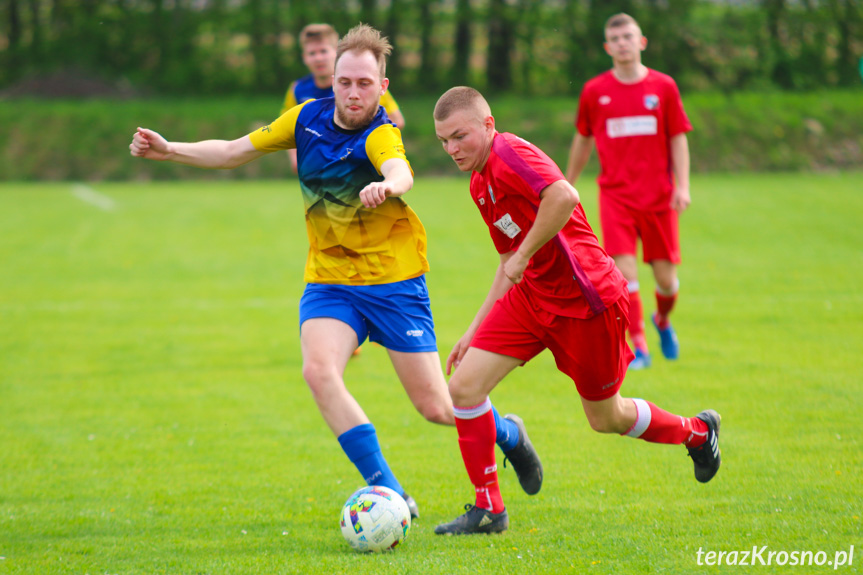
column 319, row 43
column 635, row 116
column 555, row 288
column 365, row 271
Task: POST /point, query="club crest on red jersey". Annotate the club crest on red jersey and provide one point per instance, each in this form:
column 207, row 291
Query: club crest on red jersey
column 651, row 101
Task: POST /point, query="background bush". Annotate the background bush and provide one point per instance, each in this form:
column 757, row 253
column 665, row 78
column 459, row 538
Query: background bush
column 545, row 47
column 87, row 140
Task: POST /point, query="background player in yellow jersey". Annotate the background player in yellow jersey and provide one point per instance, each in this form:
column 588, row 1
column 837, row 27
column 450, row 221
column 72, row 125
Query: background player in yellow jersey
column 319, row 43
column 366, row 265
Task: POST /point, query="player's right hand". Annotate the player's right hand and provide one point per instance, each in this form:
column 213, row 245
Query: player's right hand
column 457, row 353
column 149, row 144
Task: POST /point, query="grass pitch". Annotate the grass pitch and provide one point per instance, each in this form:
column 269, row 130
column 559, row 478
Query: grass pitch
column 153, row 418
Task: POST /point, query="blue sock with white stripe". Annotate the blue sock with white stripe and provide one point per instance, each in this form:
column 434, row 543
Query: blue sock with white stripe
column 507, row 431
column 361, row 446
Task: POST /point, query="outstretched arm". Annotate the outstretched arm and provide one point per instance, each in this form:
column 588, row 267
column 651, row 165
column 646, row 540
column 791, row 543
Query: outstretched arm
column 579, row 154
column 211, row 154
column 555, row 207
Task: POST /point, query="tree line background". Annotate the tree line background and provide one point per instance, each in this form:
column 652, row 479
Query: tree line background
column 537, row 47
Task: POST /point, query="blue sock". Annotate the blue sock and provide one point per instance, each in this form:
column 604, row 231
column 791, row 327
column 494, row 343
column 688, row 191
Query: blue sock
column 361, row 446
column 507, row 431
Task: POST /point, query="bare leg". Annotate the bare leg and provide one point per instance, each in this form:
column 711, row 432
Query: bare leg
column 327, row 346
column 423, row 380
column 613, row 415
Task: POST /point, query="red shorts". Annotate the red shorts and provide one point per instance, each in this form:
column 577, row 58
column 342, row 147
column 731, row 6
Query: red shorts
column 593, row 352
column 622, row 226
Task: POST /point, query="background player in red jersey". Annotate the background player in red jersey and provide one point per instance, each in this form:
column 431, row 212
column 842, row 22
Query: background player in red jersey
column 555, row 288
column 636, row 117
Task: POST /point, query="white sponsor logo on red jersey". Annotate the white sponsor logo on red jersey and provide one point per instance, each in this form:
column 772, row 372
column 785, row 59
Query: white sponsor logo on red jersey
column 507, row 226
column 631, row 126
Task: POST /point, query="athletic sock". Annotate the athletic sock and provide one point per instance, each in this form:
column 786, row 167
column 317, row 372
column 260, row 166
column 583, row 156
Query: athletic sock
column 665, row 303
column 476, row 438
column 507, row 431
column 361, row 446
column 636, row 318
column 659, row 426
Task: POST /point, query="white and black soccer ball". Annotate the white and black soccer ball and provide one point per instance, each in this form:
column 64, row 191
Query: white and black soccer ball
column 375, row 518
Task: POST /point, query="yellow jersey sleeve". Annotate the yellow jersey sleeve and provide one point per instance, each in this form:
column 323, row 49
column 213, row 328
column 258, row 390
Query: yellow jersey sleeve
column 383, row 144
column 290, row 99
column 278, row 135
column 389, row 103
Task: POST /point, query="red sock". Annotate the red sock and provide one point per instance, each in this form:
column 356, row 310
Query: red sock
column 664, row 305
column 659, row 426
column 636, row 321
column 476, row 440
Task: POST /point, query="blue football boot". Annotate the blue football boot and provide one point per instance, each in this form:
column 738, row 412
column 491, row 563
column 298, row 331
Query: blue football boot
column 641, row 360
column 667, row 340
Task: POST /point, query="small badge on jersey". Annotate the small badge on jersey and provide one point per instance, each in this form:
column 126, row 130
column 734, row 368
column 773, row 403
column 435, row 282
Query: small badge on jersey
column 491, row 193
column 651, row 101
column 507, row 226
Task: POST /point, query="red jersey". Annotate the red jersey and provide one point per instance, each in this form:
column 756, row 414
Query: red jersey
column 633, row 125
column 571, row 275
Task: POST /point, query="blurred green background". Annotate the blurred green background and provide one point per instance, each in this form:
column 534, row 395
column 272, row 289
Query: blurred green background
column 539, row 47
column 769, row 84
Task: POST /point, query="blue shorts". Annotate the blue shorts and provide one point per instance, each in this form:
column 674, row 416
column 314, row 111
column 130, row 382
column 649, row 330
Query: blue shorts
column 395, row 315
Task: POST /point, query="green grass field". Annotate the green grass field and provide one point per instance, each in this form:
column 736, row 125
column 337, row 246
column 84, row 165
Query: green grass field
column 153, row 417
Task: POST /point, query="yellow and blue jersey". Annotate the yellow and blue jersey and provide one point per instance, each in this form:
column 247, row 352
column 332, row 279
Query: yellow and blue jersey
column 305, row 89
column 348, row 243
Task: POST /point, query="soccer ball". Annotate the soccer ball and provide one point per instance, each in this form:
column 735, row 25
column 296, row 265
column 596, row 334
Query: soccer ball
column 375, row 518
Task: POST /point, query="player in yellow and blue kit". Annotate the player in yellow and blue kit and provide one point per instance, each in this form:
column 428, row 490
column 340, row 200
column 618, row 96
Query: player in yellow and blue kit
column 366, row 264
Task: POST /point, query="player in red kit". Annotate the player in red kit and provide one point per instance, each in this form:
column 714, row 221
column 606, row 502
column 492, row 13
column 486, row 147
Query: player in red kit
column 636, row 118
column 555, row 288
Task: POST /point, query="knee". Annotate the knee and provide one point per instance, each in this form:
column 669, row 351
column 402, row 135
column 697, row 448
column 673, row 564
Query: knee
column 607, row 423
column 437, row 412
column 317, row 375
column 466, row 393
column 460, row 393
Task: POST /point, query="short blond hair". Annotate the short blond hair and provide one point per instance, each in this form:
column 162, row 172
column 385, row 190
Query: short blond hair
column 363, row 38
column 461, row 98
column 319, row 33
column 620, row 19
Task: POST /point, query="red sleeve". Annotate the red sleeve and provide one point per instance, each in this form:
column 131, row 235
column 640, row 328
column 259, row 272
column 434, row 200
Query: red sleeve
column 528, row 165
column 677, row 122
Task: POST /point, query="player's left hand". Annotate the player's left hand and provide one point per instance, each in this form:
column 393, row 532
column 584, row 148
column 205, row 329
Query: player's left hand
column 515, row 266
column 680, row 199
column 375, row 194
